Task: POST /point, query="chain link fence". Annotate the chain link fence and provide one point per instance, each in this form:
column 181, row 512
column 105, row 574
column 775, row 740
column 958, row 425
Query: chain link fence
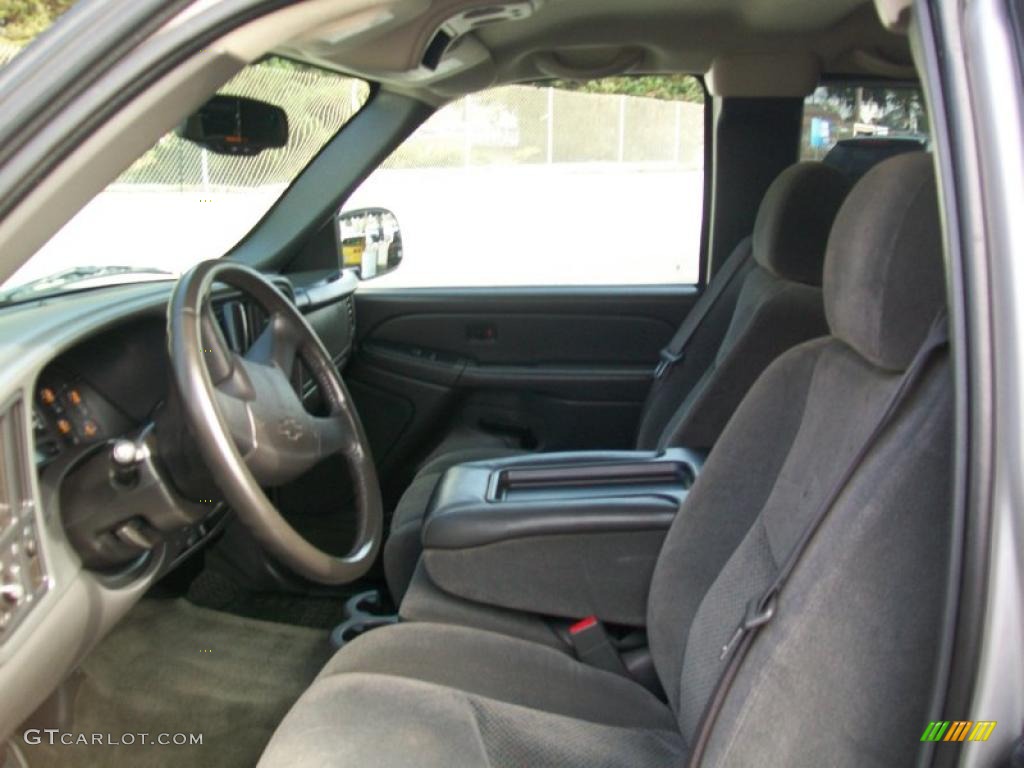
column 517, row 185
column 527, row 185
column 526, row 125
column 317, row 103
column 512, row 125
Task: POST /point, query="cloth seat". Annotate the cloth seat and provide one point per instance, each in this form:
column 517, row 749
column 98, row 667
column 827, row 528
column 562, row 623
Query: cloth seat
column 841, row 676
column 496, row 666
column 470, row 697
column 772, row 303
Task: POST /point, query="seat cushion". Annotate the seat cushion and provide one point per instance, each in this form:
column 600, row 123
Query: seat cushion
column 467, row 439
column 402, row 548
column 496, row 666
column 361, row 720
column 435, row 695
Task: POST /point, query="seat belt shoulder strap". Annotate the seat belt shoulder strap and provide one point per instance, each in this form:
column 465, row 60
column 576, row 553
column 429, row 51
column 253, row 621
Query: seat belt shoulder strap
column 673, row 351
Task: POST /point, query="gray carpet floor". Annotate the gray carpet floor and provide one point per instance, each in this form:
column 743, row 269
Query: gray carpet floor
column 213, row 589
column 173, row 667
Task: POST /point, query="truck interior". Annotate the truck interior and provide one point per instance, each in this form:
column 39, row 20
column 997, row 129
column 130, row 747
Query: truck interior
column 672, row 477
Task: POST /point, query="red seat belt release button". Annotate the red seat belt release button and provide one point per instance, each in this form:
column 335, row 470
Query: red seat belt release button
column 582, row 625
column 593, row 646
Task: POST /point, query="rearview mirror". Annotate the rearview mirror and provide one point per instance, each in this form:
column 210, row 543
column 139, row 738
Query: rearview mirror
column 233, row 125
column 369, row 240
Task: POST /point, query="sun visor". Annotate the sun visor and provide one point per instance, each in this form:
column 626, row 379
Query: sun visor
column 770, row 75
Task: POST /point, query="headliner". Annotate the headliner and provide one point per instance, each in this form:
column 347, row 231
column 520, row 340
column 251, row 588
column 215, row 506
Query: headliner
column 757, row 47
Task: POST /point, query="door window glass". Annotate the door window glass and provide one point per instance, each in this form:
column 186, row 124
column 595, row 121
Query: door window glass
column 599, row 183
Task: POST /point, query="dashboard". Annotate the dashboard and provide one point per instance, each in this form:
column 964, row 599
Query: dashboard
column 106, row 385
column 83, row 372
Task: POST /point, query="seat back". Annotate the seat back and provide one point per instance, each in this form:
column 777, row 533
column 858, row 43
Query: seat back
column 773, row 303
column 842, row 675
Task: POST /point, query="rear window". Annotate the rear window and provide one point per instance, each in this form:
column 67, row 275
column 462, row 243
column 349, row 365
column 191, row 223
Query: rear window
column 849, row 112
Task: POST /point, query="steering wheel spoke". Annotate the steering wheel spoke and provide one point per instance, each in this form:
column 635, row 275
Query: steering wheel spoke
column 216, row 353
column 333, row 435
column 278, row 344
column 233, row 399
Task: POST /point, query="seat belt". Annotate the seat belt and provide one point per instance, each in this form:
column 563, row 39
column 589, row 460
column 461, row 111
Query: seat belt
column 676, row 347
column 760, row 611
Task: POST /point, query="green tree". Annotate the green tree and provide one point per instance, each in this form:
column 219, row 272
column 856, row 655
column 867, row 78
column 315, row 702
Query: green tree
column 22, row 20
column 666, row 87
column 901, row 109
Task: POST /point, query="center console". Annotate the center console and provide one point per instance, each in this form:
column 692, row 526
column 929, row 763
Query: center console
column 561, row 534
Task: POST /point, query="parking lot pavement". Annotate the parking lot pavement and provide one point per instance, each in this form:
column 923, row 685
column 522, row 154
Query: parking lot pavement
column 519, row 225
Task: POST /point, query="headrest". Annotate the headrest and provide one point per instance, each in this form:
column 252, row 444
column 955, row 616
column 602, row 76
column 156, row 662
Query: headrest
column 855, row 157
column 884, row 278
column 794, row 221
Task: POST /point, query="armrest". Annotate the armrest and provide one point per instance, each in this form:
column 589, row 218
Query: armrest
column 567, row 535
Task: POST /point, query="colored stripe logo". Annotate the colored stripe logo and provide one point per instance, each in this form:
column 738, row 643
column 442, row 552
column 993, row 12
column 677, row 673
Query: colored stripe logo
column 958, row 730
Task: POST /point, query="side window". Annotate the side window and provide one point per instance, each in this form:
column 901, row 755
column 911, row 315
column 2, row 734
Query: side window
column 850, row 113
column 597, row 183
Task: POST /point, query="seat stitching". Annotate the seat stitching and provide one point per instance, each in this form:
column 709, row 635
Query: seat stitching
column 474, row 716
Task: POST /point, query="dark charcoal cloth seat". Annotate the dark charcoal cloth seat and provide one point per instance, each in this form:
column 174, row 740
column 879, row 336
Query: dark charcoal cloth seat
column 772, row 304
column 840, row 677
column 466, row 697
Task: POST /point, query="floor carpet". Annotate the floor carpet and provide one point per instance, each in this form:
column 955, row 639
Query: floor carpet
column 173, row 667
column 212, row 589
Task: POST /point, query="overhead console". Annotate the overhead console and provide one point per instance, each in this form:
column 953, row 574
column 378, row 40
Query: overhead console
column 562, row 534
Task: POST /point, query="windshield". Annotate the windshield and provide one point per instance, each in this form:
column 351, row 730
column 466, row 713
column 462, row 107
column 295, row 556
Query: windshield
column 179, row 204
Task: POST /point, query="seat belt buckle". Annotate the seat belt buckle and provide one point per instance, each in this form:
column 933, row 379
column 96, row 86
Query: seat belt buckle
column 593, row 646
column 667, row 358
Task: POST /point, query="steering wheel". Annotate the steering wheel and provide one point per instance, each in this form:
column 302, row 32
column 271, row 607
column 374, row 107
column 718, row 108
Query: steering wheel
column 252, row 428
